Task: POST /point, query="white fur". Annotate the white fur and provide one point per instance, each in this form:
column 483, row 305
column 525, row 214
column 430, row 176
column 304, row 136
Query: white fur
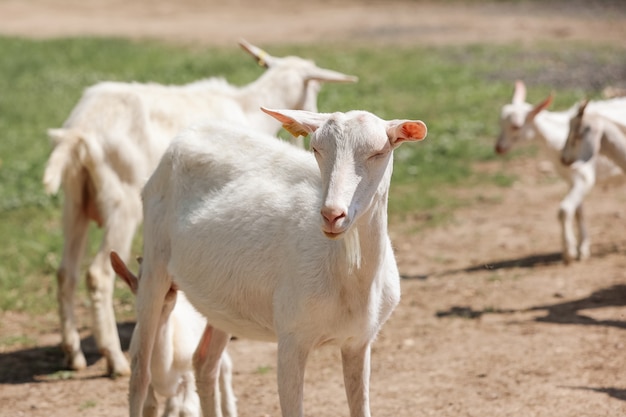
column 172, row 373
column 592, row 136
column 521, row 122
column 262, row 241
column 109, row 146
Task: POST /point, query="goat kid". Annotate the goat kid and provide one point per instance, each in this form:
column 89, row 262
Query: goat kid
column 171, row 367
column 110, row 145
column 269, row 245
column 521, row 122
column 592, row 135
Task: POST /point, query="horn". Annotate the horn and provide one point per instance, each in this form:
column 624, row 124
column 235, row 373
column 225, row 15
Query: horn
column 261, row 56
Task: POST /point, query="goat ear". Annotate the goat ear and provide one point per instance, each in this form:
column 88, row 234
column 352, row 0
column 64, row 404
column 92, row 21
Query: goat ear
column 400, row 131
column 539, row 107
column 330, row 76
column 519, row 93
column 122, row 270
column 298, row 122
column 581, row 107
column 264, row 59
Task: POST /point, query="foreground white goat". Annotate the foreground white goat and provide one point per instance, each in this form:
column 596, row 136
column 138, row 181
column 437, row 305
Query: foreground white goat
column 592, row 135
column 109, row 146
column 233, row 219
column 172, row 374
column 520, row 122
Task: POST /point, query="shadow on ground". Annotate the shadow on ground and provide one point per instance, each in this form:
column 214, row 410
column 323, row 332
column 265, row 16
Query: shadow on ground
column 44, row 363
column 568, row 312
column 530, row 261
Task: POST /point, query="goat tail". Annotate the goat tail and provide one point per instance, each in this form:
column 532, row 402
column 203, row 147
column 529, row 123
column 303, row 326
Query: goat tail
column 72, row 156
column 62, row 159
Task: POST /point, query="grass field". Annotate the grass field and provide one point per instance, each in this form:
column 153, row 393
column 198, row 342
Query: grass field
column 457, row 91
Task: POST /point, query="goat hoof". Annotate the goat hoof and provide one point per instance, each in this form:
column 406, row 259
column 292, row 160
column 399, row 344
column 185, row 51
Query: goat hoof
column 116, row 366
column 75, row 361
column 584, row 254
column 568, row 258
column 117, row 372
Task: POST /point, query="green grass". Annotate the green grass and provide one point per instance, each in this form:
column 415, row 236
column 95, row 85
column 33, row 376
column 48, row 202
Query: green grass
column 457, row 91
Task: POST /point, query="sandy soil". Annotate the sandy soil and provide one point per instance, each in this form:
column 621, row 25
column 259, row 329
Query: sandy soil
column 491, row 321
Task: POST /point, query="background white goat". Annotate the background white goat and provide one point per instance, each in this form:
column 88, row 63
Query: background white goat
column 171, row 369
column 521, row 122
column 233, row 219
column 591, row 135
column 109, row 146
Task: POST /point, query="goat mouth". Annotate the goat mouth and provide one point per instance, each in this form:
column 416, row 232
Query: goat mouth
column 333, row 235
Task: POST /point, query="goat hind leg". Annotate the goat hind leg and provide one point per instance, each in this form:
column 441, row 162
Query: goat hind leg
column 118, row 235
column 150, row 301
column 206, row 363
column 75, row 226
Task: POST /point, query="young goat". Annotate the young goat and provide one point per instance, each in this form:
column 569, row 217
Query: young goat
column 591, row 135
column 269, row 245
column 520, row 122
column 171, row 369
column 110, row 145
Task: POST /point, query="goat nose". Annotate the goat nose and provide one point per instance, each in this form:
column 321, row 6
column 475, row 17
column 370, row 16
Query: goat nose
column 332, row 214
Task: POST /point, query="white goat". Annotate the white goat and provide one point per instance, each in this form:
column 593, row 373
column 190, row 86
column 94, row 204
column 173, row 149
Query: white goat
column 234, row 219
column 520, row 122
column 592, row 135
column 172, row 374
column 109, row 146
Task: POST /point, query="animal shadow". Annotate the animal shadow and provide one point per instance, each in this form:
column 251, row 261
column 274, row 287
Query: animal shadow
column 568, row 312
column 41, row 363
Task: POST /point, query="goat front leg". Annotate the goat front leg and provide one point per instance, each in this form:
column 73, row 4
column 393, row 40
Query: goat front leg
column 568, row 236
column 571, row 206
column 356, row 377
column 584, row 243
column 206, row 363
column 292, row 357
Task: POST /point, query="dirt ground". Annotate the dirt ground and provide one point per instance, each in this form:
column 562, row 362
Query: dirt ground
column 491, row 321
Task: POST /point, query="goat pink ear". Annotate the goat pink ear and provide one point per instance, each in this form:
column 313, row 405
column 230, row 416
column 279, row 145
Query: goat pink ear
column 519, row 93
column 540, row 107
column 122, row 270
column 298, row 122
column 406, row 130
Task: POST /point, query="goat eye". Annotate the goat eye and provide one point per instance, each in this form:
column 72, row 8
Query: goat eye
column 378, row 155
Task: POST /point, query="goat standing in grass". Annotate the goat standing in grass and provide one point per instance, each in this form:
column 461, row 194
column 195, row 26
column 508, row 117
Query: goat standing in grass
column 592, row 136
column 270, row 245
column 521, row 121
column 108, row 148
